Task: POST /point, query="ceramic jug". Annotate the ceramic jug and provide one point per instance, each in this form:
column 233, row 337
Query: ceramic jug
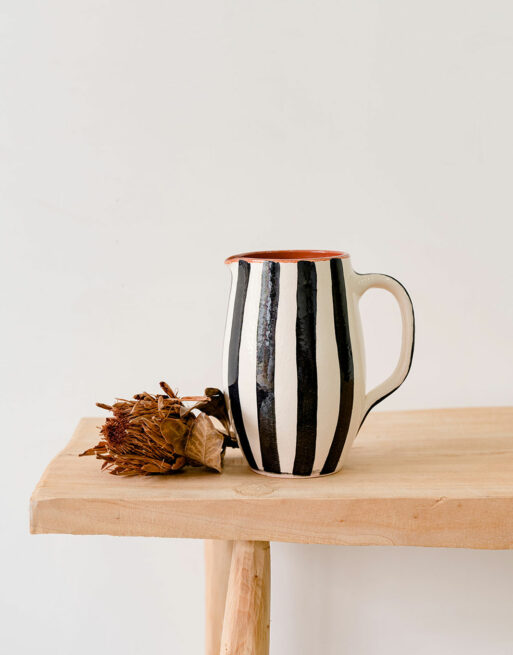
column 294, row 365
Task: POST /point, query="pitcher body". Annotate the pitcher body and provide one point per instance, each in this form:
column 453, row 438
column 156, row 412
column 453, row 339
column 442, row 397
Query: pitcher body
column 294, row 365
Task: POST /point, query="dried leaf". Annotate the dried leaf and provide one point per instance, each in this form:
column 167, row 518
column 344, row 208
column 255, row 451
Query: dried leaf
column 205, row 443
column 215, row 405
column 89, row 451
column 185, row 411
column 179, row 462
column 167, row 389
column 156, row 467
column 174, row 431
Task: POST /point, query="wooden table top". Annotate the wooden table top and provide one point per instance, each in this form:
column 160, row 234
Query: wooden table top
column 417, row 478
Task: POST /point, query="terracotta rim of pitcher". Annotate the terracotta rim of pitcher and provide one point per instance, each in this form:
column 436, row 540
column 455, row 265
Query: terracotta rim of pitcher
column 287, row 256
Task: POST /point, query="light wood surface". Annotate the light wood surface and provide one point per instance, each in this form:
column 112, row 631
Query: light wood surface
column 418, row 478
column 247, row 610
column 218, row 558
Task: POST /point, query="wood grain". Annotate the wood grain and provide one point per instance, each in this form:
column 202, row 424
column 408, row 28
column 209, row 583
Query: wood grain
column 218, row 558
column 247, row 611
column 418, row 478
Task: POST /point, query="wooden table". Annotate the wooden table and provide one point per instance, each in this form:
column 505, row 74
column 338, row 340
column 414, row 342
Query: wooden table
column 415, row 478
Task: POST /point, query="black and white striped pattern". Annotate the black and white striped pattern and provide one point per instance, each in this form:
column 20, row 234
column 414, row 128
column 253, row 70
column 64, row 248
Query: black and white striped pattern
column 288, row 365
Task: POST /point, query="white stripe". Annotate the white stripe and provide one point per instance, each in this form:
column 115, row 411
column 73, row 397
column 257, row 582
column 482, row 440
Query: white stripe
column 234, row 270
column 285, row 376
column 357, row 347
column 247, row 361
column 328, row 368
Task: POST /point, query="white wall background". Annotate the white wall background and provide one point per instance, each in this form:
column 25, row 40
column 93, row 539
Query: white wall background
column 140, row 144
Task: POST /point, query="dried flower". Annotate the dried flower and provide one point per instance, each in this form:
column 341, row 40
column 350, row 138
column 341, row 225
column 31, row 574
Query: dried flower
column 160, row 434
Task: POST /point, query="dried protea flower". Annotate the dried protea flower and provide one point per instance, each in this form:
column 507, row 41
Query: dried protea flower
column 160, row 434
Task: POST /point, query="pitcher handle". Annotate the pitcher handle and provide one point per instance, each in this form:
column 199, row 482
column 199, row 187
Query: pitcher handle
column 364, row 282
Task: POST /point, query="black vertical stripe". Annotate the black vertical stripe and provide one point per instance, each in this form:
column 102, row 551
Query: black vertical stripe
column 265, row 365
column 233, row 359
column 306, row 368
column 345, row 359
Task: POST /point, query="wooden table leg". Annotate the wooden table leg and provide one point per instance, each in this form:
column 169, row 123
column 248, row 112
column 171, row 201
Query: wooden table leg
column 218, row 557
column 246, row 615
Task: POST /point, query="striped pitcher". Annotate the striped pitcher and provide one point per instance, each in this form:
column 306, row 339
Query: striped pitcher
column 293, row 364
